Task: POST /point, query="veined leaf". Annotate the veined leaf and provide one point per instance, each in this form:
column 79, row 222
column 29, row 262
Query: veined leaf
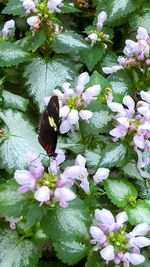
column 118, row 9
column 14, row 7
column 22, row 252
column 14, row 101
column 140, row 213
column 120, row 191
column 43, row 76
column 68, row 42
column 21, row 140
column 12, row 54
column 113, row 155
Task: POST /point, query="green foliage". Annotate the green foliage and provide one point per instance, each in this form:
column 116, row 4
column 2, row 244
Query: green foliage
column 139, row 214
column 121, row 192
column 122, row 84
column 68, row 42
column 113, row 155
column 20, row 139
column 118, row 10
column 68, row 230
column 22, row 252
column 92, row 55
column 12, row 54
column 14, row 101
column 14, row 7
column 43, row 76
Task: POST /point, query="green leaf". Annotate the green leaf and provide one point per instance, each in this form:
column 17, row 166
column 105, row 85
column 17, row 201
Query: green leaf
column 12, row 54
column 113, row 155
column 97, row 78
column 139, row 214
column 109, row 59
column 142, row 19
column 120, row 191
column 92, row 158
column 14, row 101
column 95, row 260
column 37, row 40
column 68, row 7
column 14, row 7
column 42, row 77
column 131, row 170
column 70, row 251
column 99, row 122
column 117, row 10
column 68, row 42
column 92, row 55
column 122, row 84
column 12, row 202
column 34, row 213
column 68, row 229
column 21, row 139
column 17, row 252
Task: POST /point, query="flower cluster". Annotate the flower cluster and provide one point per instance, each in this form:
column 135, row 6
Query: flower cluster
column 47, row 187
column 8, row 28
column 137, row 53
column 79, row 173
column 132, row 121
column 113, row 242
column 41, row 12
column 98, row 35
column 73, row 102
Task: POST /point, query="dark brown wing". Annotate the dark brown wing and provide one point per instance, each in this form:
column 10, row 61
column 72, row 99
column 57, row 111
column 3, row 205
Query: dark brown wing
column 49, row 126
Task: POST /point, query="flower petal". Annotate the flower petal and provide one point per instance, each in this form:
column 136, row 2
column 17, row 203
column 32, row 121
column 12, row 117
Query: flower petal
column 104, row 216
column 97, row 234
column 42, row 194
column 101, row 174
column 65, row 127
column 108, row 253
column 63, row 195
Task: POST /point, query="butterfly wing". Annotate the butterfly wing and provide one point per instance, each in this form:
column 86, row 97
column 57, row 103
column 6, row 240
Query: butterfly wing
column 49, row 126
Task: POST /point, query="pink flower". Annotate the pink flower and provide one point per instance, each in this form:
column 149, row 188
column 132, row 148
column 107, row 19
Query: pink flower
column 73, row 103
column 63, row 196
column 54, row 4
column 102, row 16
column 42, row 194
column 101, row 174
column 25, row 179
column 113, row 243
column 8, row 27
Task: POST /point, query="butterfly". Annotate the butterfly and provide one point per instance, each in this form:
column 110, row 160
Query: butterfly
column 49, row 127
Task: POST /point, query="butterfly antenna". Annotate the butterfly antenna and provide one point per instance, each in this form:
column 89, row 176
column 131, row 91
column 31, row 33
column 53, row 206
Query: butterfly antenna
column 38, row 157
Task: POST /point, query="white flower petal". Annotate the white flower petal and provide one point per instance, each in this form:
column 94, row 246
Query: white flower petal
column 85, row 114
column 42, row 194
column 108, row 253
column 73, row 116
column 134, row 258
column 121, row 218
column 80, row 160
column 104, row 216
column 145, row 96
column 140, row 229
column 63, row 111
column 142, row 241
column 65, row 127
column 129, row 102
column 97, row 234
column 101, row 174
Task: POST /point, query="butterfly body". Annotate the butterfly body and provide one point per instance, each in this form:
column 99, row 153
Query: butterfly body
column 49, row 127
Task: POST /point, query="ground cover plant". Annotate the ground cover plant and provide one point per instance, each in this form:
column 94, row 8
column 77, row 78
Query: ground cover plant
column 88, row 204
